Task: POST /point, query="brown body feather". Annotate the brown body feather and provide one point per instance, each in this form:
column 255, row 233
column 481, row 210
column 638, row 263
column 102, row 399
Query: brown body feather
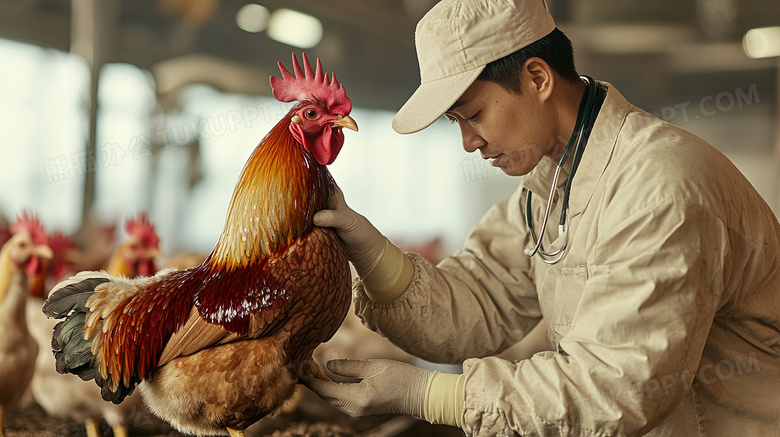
column 273, row 288
column 243, row 285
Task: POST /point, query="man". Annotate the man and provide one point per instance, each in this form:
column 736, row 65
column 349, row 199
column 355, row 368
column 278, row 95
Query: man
column 658, row 273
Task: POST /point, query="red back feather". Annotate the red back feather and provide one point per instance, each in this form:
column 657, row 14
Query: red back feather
column 31, row 225
column 142, row 229
column 310, row 85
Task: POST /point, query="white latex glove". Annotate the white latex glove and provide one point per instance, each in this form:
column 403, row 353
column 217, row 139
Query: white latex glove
column 392, row 388
column 385, row 270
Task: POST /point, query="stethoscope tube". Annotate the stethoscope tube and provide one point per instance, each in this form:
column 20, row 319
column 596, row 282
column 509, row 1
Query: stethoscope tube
column 578, row 138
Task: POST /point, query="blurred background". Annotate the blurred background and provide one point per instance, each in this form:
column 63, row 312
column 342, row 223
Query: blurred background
column 113, row 107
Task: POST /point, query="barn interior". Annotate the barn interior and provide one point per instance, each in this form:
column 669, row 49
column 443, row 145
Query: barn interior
column 115, row 108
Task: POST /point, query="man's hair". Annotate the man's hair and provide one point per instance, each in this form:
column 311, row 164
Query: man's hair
column 555, row 49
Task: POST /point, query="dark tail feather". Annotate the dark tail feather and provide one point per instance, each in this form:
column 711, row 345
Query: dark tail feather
column 70, row 349
column 71, row 298
column 72, row 352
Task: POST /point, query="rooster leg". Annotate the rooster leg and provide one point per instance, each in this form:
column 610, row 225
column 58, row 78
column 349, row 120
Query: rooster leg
column 236, row 432
column 120, row 431
column 93, row 427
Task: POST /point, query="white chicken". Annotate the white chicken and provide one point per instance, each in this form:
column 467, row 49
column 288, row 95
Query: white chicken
column 20, row 256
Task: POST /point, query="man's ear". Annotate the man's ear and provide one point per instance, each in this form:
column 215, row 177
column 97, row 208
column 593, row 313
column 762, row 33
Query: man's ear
column 538, row 78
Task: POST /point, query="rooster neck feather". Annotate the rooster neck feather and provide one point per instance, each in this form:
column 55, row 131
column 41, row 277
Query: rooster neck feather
column 117, row 266
column 277, row 193
column 11, row 278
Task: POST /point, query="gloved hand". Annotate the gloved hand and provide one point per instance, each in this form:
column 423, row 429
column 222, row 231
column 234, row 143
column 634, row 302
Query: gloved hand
column 387, row 387
column 385, row 270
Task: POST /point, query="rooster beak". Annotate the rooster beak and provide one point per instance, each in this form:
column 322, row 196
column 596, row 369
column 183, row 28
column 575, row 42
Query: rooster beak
column 346, row 122
column 43, row 252
column 153, row 253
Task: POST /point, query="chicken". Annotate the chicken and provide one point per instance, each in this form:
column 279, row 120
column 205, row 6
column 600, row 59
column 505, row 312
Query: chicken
column 64, row 258
column 53, row 269
column 220, row 345
column 136, row 255
column 67, row 396
column 20, row 256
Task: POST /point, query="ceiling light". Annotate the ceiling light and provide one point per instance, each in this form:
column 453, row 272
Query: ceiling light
column 294, row 28
column 252, row 18
column 763, row 42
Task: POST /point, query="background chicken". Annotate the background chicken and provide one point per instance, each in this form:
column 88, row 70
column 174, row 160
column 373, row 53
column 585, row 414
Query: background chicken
column 20, row 256
column 53, row 270
column 63, row 261
column 67, row 396
column 136, row 255
column 220, row 345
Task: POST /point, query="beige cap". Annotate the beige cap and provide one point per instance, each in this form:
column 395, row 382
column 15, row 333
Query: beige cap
column 455, row 40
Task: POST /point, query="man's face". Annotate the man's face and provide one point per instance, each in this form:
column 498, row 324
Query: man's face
column 512, row 131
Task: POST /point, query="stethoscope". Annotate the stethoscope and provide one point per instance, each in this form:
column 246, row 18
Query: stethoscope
column 585, row 119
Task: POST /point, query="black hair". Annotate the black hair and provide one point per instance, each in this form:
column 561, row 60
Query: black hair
column 555, row 49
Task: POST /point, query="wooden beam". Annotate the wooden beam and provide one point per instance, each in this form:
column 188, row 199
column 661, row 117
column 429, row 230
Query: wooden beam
column 26, row 22
column 93, row 22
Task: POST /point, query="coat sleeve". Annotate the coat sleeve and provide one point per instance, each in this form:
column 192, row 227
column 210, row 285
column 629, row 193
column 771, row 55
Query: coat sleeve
column 636, row 340
column 478, row 301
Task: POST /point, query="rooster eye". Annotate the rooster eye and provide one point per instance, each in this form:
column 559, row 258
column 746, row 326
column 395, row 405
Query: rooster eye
column 310, row 114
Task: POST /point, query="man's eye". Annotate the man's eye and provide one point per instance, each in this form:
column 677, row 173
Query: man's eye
column 453, row 118
column 472, row 118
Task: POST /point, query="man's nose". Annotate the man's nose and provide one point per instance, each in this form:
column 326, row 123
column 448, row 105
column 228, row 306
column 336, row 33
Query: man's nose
column 471, row 140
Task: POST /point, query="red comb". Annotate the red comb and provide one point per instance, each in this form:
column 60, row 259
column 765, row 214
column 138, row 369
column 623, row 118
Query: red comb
column 143, row 230
column 310, row 85
column 31, row 225
column 59, row 243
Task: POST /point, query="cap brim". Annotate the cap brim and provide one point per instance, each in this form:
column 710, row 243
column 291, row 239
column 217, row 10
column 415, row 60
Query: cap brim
column 431, row 100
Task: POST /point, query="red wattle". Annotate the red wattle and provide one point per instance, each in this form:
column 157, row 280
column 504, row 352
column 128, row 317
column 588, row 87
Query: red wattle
column 146, row 267
column 33, row 266
column 324, row 146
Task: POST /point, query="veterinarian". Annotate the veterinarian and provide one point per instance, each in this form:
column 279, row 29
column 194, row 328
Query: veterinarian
column 653, row 261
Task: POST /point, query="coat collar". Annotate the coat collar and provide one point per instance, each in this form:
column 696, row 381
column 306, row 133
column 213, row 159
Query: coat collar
column 595, row 158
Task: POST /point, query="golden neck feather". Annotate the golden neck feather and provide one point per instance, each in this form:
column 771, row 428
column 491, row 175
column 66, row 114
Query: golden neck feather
column 278, row 191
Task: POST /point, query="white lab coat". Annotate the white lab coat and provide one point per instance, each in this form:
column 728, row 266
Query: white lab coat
column 664, row 312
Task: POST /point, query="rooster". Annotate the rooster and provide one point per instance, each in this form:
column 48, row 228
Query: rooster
column 20, row 256
column 54, row 269
column 64, row 257
column 135, row 256
column 220, row 345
